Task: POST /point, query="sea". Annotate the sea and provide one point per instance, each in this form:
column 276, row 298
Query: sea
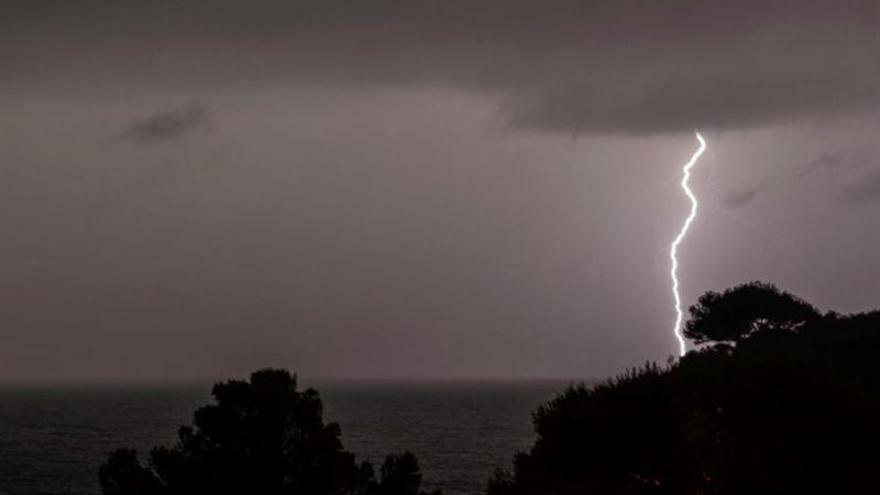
column 54, row 438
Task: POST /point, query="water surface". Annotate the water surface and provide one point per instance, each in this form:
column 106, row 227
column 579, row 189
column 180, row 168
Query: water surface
column 52, row 439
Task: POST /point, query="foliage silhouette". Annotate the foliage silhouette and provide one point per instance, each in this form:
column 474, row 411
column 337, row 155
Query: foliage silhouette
column 739, row 312
column 790, row 409
column 261, row 437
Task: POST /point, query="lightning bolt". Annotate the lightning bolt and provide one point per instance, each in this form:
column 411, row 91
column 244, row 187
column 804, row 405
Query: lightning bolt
column 673, row 248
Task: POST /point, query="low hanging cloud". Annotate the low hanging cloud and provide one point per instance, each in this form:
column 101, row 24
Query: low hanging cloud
column 838, row 160
column 830, row 160
column 167, row 125
column 865, row 189
column 738, row 198
column 575, row 66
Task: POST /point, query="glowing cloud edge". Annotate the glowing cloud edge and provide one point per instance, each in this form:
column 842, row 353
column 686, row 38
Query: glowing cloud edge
column 673, row 248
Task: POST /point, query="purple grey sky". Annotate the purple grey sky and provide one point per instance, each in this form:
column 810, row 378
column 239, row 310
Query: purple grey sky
column 419, row 188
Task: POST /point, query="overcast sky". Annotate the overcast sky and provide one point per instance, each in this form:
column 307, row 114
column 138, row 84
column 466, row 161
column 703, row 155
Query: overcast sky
column 401, row 188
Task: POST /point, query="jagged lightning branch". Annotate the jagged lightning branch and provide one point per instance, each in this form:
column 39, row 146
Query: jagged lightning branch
column 673, row 248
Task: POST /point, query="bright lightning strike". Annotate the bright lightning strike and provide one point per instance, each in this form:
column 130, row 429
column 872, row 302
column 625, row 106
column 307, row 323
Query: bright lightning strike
column 673, row 248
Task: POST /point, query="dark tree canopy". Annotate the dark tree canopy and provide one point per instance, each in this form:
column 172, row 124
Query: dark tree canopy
column 781, row 412
column 737, row 313
column 260, row 437
column 609, row 439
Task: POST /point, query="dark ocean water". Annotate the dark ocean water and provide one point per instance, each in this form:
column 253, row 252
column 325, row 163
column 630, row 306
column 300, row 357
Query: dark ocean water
column 52, row 439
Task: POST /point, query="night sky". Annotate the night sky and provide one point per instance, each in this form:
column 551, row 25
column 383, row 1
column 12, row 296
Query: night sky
column 419, row 188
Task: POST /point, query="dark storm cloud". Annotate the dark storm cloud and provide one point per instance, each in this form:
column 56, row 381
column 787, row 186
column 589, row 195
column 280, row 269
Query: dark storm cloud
column 838, row 160
column 828, row 160
column 866, row 189
column 167, row 125
column 573, row 66
column 739, row 197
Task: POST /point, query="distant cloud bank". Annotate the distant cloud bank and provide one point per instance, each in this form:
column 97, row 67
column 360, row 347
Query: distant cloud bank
column 167, row 125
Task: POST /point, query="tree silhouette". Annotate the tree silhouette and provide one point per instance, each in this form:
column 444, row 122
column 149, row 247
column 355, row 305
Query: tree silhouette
column 260, row 437
column 621, row 436
column 400, row 475
column 791, row 408
column 122, row 474
column 742, row 311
